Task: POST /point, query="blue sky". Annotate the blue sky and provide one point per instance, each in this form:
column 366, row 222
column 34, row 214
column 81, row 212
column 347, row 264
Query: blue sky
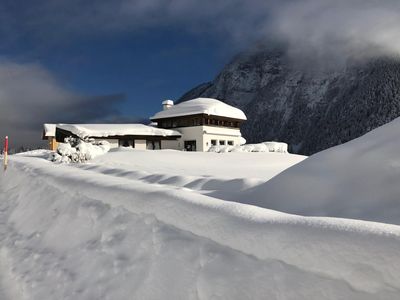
column 146, row 66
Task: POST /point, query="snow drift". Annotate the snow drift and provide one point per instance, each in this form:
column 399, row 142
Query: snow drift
column 357, row 180
column 72, row 233
column 260, row 147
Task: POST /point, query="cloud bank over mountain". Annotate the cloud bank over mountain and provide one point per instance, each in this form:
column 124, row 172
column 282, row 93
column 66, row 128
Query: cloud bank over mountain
column 31, row 95
column 324, row 28
column 339, row 28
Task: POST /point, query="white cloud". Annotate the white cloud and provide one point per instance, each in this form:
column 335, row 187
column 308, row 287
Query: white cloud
column 334, row 28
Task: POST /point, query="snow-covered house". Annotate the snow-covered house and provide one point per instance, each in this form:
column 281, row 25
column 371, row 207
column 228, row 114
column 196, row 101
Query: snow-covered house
column 194, row 125
column 202, row 122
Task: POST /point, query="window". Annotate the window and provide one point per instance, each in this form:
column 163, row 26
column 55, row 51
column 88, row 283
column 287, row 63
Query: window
column 222, row 143
column 190, row 145
column 183, row 123
column 149, row 145
column 157, row 145
column 230, row 143
column 153, row 145
column 213, row 142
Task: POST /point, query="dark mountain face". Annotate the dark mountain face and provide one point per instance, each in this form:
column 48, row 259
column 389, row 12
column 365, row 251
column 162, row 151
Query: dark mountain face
column 307, row 107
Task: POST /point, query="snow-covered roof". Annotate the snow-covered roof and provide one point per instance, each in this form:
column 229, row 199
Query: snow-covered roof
column 105, row 130
column 206, row 106
column 49, row 130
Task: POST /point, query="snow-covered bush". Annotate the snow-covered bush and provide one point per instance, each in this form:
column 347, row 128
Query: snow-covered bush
column 261, row 147
column 77, row 151
column 277, row 147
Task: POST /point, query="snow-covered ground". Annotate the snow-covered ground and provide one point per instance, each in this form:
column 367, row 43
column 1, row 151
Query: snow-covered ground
column 153, row 225
column 214, row 174
column 357, row 180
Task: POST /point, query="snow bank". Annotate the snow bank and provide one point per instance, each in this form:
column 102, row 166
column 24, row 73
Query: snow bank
column 71, row 233
column 357, row 180
column 206, row 106
column 261, row 147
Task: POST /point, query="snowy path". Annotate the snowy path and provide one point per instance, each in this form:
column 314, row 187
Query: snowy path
column 94, row 234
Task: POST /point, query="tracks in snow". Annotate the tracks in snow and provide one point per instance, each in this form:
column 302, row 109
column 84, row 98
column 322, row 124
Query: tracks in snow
column 224, row 189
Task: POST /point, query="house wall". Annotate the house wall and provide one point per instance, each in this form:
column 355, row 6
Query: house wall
column 53, row 144
column 204, row 134
column 114, row 143
column 140, row 144
column 170, row 144
column 220, row 134
column 194, row 133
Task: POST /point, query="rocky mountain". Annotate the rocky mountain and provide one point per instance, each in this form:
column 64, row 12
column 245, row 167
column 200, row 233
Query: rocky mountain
column 309, row 107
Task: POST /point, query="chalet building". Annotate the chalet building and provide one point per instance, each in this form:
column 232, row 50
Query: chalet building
column 202, row 122
column 194, row 125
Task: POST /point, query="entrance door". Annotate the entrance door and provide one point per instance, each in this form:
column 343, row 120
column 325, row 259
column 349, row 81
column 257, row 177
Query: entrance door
column 190, row 145
column 126, row 143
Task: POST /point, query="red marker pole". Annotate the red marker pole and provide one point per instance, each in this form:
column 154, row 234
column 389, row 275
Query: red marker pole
column 5, row 162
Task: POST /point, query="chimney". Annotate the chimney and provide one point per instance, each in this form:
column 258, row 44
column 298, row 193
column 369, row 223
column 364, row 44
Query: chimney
column 167, row 104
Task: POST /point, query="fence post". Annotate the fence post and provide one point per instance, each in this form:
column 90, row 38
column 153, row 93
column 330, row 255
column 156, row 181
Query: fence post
column 5, row 161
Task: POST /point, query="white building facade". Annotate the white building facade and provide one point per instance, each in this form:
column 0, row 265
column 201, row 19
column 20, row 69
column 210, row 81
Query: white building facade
column 202, row 123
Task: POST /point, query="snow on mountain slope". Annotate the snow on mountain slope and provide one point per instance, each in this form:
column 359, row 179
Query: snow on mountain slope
column 357, row 180
column 308, row 107
column 76, row 233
